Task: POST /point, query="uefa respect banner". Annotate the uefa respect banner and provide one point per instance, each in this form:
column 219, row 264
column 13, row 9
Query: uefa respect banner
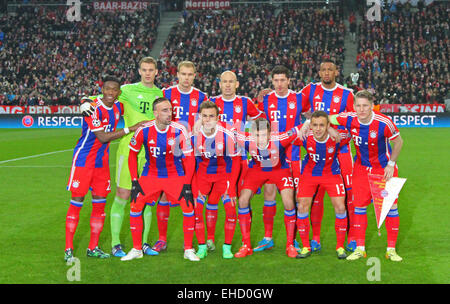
column 384, row 194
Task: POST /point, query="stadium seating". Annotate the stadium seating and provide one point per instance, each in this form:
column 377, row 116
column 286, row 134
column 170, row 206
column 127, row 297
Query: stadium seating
column 45, row 59
column 404, row 58
column 251, row 41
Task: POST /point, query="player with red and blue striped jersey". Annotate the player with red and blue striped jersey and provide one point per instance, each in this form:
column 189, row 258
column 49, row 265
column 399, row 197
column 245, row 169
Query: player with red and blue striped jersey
column 268, row 165
column 320, row 168
column 186, row 101
column 332, row 98
column 90, row 165
column 283, row 108
column 217, row 171
column 169, row 168
column 372, row 133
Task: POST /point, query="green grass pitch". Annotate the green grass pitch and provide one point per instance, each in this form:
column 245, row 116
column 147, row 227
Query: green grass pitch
column 34, row 203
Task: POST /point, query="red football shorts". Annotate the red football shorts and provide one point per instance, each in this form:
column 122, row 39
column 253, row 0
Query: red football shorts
column 346, row 165
column 362, row 196
column 153, row 187
column 256, row 178
column 83, row 179
column 205, row 183
column 333, row 184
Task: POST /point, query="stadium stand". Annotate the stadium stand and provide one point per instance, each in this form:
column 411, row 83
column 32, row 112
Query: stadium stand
column 404, row 58
column 251, row 41
column 45, row 59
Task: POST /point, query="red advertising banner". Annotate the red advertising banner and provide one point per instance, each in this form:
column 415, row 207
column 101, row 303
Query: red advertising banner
column 40, row 110
column 412, row 108
column 126, row 6
column 207, row 4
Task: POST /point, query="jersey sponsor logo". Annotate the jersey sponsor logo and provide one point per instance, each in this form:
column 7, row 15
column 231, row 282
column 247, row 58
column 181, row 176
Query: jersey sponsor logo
column 175, row 101
column 140, row 97
column 151, row 142
column 144, row 106
column 310, row 149
column 105, row 120
column 96, row 123
column 275, row 115
column 354, row 130
column 155, row 151
column 317, row 97
column 271, row 106
column 315, row 157
column 320, row 106
column 357, row 140
column 178, row 111
column 223, row 117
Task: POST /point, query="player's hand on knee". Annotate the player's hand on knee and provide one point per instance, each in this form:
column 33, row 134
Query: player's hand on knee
column 135, row 190
column 186, row 193
column 86, row 107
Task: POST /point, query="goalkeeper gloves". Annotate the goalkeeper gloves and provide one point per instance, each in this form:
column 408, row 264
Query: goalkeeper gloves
column 186, row 193
column 135, row 190
column 86, row 108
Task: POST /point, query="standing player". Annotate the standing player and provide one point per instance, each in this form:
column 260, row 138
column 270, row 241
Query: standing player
column 268, row 165
column 137, row 99
column 320, row 168
column 217, row 171
column 282, row 108
column 371, row 133
column 332, row 98
column 169, row 168
column 186, row 101
column 90, row 165
column 235, row 111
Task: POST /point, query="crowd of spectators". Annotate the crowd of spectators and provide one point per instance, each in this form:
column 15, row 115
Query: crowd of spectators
column 46, row 59
column 404, row 58
column 251, row 41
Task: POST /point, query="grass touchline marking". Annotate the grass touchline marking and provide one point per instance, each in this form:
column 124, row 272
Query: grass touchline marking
column 37, row 155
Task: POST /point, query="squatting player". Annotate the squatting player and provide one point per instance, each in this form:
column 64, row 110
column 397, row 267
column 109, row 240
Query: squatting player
column 169, row 168
column 372, row 133
column 217, row 170
column 320, row 168
column 268, row 165
column 332, row 98
column 90, row 165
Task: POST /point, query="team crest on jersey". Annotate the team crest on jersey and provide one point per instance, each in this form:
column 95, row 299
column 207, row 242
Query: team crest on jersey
column 96, row 123
column 117, row 115
column 133, row 141
column 220, row 146
column 336, row 99
column 373, row 134
column 292, row 105
column 194, row 102
column 76, row 184
column 330, row 149
column 238, row 109
column 171, row 141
